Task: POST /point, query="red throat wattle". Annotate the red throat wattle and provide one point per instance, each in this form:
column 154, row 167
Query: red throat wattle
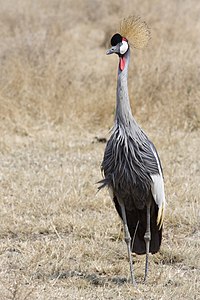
column 122, row 62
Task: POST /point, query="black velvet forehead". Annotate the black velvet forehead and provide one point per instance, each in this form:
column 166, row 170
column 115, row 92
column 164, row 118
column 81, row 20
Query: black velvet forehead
column 116, row 39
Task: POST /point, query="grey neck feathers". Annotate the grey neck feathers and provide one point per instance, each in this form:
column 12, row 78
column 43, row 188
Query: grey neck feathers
column 123, row 114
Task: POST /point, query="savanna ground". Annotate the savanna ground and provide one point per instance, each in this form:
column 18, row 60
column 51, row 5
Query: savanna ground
column 59, row 239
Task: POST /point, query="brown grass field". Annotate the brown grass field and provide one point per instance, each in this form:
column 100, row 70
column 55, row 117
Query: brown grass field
column 59, row 238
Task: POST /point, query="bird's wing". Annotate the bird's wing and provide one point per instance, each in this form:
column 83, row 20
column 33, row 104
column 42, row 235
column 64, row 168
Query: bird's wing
column 157, row 189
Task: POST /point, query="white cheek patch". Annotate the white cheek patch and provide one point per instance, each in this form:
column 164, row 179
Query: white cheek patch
column 123, row 47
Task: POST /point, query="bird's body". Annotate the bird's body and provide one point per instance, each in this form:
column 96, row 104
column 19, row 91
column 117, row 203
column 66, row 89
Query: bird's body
column 133, row 172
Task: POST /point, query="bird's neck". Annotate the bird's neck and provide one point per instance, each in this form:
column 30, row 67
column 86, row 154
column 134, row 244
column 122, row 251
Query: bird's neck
column 123, row 110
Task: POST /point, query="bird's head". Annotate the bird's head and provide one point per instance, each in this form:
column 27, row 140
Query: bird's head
column 133, row 32
column 119, row 45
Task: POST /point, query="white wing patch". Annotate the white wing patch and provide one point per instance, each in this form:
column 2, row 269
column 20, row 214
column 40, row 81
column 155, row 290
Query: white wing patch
column 158, row 191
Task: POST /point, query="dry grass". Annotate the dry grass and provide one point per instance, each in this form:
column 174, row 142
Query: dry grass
column 58, row 238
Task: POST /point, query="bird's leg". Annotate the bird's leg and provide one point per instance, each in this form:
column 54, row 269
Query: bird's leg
column 147, row 237
column 127, row 239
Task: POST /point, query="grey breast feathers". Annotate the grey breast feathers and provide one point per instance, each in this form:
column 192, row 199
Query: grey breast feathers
column 127, row 165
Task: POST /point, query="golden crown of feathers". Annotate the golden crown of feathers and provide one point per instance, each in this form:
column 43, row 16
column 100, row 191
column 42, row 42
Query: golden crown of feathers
column 135, row 31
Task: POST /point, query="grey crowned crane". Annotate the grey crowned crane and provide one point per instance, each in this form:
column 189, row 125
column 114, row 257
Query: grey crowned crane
column 131, row 165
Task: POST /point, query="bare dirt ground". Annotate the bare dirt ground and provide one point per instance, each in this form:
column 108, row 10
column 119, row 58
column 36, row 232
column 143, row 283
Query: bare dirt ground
column 59, row 238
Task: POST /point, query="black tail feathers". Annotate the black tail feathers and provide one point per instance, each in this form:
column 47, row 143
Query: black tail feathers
column 137, row 223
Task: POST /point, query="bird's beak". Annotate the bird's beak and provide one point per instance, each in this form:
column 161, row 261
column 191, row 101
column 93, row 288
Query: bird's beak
column 112, row 50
